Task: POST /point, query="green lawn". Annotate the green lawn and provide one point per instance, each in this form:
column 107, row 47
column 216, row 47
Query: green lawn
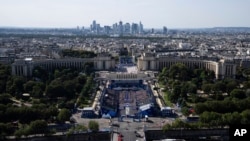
column 167, row 101
column 165, row 96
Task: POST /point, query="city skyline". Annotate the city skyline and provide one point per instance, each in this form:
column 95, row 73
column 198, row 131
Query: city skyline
column 172, row 14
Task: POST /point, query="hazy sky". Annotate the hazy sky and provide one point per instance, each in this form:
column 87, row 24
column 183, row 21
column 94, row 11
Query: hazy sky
column 152, row 13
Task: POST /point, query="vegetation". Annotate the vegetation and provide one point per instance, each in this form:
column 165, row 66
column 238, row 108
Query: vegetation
column 35, row 127
column 218, row 102
column 77, row 129
column 49, row 91
column 93, row 125
column 64, row 115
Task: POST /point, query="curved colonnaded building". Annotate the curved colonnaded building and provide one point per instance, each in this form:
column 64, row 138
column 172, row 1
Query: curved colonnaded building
column 222, row 68
column 147, row 62
column 24, row 67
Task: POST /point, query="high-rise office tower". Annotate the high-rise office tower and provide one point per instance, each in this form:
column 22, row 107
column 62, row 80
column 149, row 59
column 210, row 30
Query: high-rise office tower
column 134, row 28
column 107, row 29
column 93, row 26
column 120, row 27
column 140, row 28
column 98, row 28
column 165, row 30
column 115, row 28
column 127, row 28
column 152, row 30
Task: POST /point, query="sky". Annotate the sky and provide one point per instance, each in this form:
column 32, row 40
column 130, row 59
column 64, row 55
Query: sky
column 152, row 13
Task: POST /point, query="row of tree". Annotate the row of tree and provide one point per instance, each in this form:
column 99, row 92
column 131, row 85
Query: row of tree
column 212, row 120
column 12, row 116
column 92, row 126
column 41, row 127
column 23, row 114
column 228, row 105
column 35, row 127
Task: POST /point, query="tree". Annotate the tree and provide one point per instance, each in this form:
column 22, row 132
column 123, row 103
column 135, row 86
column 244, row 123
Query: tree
column 212, row 118
column 15, row 86
column 232, row 84
column 37, row 91
column 28, row 86
column 185, row 111
column 237, row 93
column 22, row 131
column 179, row 71
column 4, row 76
column 38, row 127
column 206, row 88
column 245, row 117
column 40, row 73
column 173, row 96
column 93, row 125
column 183, row 92
column 219, row 87
column 25, row 112
column 5, row 129
column 34, row 88
column 5, row 99
column 231, row 118
column 162, row 77
column 203, row 75
column 55, row 89
column 166, row 127
column 81, row 128
column 179, row 124
column 246, row 84
column 200, row 107
column 64, row 115
column 192, row 88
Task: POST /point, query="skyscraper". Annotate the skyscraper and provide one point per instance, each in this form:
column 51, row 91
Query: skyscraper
column 120, row 27
column 140, row 28
column 165, row 30
column 98, row 28
column 107, row 29
column 115, row 28
column 127, row 28
column 93, row 26
column 134, row 28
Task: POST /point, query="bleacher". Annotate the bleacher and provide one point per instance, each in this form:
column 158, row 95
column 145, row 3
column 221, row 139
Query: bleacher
column 110, row 102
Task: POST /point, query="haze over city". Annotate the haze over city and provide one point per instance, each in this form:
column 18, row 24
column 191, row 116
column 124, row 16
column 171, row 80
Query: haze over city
column 153, row 14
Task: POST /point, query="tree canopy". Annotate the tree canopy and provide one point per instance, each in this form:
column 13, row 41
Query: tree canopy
column 64, row 115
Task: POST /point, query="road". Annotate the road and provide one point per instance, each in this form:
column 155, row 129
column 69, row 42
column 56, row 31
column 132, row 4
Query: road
column 127, row 127
column 20, row 103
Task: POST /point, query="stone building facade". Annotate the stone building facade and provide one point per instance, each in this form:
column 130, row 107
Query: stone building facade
column 222, row 68
column 24, row 67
